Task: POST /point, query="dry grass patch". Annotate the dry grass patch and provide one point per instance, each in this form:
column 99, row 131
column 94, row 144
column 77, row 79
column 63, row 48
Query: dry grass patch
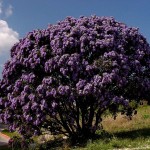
column 122, row 123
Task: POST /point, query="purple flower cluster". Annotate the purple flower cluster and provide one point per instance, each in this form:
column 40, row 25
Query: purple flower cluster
column 77, row 67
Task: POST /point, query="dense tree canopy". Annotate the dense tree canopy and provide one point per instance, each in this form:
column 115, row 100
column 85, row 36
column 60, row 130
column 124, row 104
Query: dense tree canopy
column 65, row 77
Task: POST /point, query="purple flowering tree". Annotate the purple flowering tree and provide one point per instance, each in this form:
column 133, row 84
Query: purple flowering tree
column 65, row 77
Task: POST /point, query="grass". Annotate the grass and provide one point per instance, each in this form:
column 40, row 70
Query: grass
column 122, row 123
column 133, row 139
column 10, row 134
column 119, row 134
column 124, row 133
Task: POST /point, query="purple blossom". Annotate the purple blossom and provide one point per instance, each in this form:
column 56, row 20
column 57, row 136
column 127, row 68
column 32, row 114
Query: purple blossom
column 54, row 105
column 34, row 106
column 80, row 84
column 73, row 66
column 53, row 92
column 43, row 104
column 32, row 97
column 63, row 90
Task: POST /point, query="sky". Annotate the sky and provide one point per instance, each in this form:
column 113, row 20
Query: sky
column 18, row 17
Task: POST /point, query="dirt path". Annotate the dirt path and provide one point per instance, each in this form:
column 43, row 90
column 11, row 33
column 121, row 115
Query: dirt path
column 3, row 138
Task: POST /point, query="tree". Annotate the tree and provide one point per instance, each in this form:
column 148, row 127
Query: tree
column 65, row 77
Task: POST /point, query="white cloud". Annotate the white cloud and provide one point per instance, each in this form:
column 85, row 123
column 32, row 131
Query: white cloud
column 5, row 11
column 9, row 11
column 8, row 37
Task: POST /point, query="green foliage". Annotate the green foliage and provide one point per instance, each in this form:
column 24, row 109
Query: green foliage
column 17, row 143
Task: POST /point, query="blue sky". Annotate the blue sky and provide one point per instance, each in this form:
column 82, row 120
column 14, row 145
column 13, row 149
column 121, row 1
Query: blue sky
column 18, row 17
